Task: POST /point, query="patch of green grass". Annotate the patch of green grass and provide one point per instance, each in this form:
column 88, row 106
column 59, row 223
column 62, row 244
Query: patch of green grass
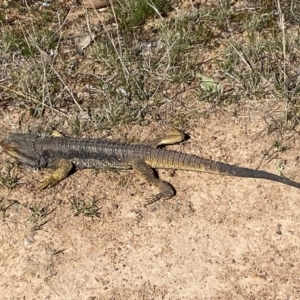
column 40, row 216
column 131, row 13
column 4, row 207
column 36, row 85
column 29, row 36
column 15, row 4
column 2, row 16
column 87, row 208
column 34, row 41
column 8, row 179
column 254, row 23
column 13, row 41
column 143, row 70
column 27, row 48
column 9, row 42
column 253, row 64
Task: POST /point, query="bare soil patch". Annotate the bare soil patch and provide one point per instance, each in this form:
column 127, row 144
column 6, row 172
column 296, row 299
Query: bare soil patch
column 218, row 238
column 91, row 236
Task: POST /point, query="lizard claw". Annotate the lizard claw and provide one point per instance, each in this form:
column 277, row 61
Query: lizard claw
column 154, row 198
column 63, row 169
column 47, row 181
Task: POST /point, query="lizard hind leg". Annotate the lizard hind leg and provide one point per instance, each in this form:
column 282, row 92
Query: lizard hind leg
column 62, row 169
column 166, row 191
column 174, row 136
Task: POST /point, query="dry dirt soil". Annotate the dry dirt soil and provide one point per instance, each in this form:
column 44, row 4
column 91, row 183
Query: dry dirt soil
column 218, row 238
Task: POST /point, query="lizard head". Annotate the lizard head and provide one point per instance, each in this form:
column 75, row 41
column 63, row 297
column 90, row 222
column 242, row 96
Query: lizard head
column 20, row 146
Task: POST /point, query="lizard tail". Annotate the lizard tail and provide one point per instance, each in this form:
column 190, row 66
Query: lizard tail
column 183, row 161
column 251, row 173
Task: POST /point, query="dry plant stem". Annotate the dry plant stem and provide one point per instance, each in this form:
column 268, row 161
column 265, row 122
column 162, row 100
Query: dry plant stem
column 282, row 27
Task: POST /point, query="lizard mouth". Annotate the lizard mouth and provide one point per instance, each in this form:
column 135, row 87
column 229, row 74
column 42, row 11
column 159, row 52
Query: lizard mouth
column 13, row 150
column 10, row 148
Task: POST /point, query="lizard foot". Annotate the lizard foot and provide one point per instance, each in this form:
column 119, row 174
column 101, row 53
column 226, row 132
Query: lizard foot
column 166, row 192
column 48, row 181
column 62, row 170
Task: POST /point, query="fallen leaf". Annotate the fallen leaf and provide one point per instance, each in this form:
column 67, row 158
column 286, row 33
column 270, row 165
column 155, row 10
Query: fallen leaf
column 96, row 3
column 84, row 42
column 208, row 84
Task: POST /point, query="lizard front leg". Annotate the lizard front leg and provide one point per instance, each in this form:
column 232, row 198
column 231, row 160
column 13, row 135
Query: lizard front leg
column 166, row 191
column 62, row 169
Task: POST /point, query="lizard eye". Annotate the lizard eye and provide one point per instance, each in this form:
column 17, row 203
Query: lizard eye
column 12, row 148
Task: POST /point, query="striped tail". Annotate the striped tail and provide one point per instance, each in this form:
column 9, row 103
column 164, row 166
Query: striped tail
column 168, row 159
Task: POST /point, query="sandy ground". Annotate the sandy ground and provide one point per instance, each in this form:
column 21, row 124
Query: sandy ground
column 218, row 238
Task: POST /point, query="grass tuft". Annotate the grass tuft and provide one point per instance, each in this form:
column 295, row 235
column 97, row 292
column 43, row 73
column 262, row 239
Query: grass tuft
column 144, row 68
column 85, row 208
column 40, row 216
column 132, row 14
column 8, row 179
